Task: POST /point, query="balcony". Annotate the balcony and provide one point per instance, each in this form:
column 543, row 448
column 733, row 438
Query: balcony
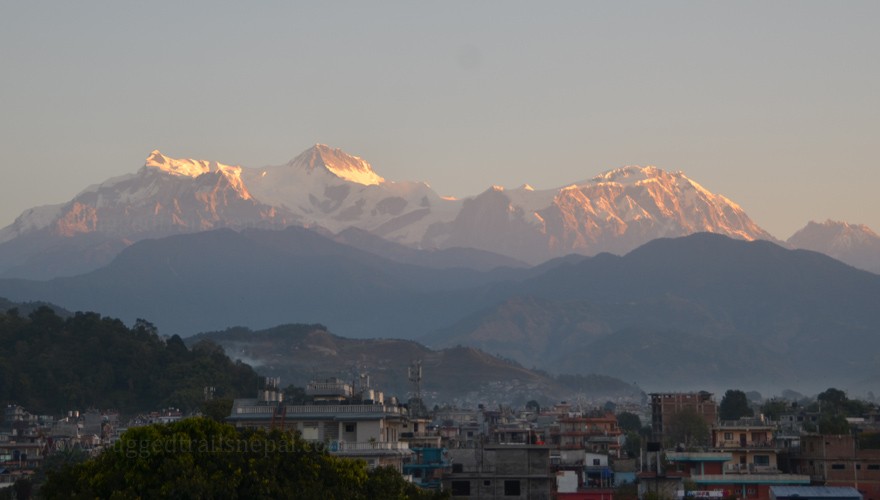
column 322, row 410
column 346, row 446
column 735, row 444
column 750, row 469
column 362, row 448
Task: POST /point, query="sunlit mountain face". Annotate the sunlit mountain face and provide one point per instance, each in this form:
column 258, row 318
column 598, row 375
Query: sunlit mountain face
column 329, row 190
column 332, row 191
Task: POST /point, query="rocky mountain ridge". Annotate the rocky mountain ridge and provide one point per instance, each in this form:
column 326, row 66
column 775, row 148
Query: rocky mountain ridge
column 324, row 187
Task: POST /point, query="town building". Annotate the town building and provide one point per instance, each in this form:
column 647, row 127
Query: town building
column 352, row 421
column 501, row 471
column 750, row 442
column 814, row 493
column 710, row 474
column 664, row 406
column 837, row 460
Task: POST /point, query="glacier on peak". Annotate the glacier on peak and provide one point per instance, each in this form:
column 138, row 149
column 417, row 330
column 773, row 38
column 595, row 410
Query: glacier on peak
column 326, row 187
column 339, row 163
column 187, row 167
column 632, row 174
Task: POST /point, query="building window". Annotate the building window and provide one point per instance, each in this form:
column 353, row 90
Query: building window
column 457, row 467
column 349, row 427
column 486, row 482
column 762, row 459
column 728, row 436
column 838, row 466
column 873, row 466
column 511, row 488
column 597, row 461
column 461, row 488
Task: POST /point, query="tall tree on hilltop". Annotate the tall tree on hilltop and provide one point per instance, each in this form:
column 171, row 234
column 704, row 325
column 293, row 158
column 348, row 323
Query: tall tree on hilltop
column 734, row 405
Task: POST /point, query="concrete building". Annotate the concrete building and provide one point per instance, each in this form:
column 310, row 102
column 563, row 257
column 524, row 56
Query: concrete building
column 501, row 471
column 352, row 422
column 750, row 442
column 595, row 434
column 708, row 472
column 665, row 405
column 837, row 460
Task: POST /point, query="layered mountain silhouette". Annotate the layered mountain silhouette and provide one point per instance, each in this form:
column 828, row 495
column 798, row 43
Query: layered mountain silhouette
column 460, row 375
column 673, row 311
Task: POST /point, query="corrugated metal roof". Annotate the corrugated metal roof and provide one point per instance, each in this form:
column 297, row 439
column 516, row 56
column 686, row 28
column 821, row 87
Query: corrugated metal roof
column 815, row 492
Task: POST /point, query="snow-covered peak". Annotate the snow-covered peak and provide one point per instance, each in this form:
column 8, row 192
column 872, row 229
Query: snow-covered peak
column 174, row 166
column 194, row 168
column 855, row 244
column 187, row 167
column 632, row 174
column 338, row 163
column 832, row 232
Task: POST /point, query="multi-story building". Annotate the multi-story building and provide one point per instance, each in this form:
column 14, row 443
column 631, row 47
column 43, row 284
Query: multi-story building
column 665, row 405
column 501, row 471
column 353, row 423
column 837, row 460
column 710, row 474
column 750, row 442
column 594, row 434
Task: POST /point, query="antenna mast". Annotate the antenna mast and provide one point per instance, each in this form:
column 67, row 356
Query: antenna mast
column 415, row 377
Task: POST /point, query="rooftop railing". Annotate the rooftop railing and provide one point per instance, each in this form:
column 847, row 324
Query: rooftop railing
column 321, row 409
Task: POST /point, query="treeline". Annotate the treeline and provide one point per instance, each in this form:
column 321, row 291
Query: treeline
column 51, row 364
column 199, row 458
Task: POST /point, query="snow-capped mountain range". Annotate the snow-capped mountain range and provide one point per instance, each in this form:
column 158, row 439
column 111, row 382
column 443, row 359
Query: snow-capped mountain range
column 855, row 244
column 327, row 188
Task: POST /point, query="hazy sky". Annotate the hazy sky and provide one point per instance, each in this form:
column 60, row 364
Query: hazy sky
column 775, row 105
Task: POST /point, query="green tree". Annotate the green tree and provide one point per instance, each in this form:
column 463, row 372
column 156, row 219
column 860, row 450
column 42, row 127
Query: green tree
column 51, row 364
column 217, row 409
column 21, row 489
column 833, row 424
column 686, row 427
column 200, row 458
column 629, row 422
column 832, row 400
column 633, row 444
column 734, row 405
column 773, row 408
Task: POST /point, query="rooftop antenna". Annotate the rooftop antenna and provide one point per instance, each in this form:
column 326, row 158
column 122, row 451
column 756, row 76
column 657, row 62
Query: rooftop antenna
column 415, row 377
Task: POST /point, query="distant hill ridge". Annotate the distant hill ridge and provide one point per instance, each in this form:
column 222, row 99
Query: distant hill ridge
column 734, row 310
column 301, row 353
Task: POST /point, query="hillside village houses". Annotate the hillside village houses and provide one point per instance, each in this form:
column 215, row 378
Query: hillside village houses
column 562, row 451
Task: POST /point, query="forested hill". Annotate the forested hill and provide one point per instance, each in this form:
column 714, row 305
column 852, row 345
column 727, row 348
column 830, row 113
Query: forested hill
column 50, row 364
